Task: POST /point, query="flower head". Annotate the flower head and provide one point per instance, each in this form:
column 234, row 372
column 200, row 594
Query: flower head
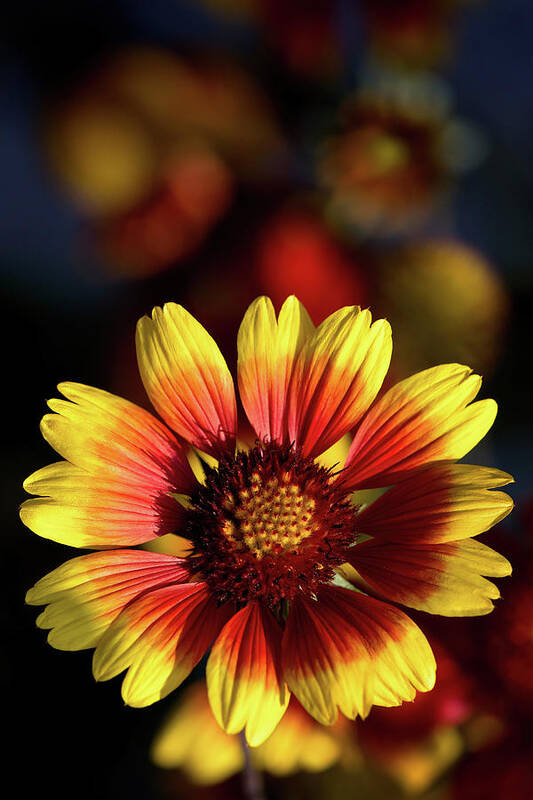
column 149, row 146
column 384, row 169
column 288, row 577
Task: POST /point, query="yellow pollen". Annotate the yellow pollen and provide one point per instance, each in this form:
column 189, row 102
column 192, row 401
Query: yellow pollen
column 269, row 518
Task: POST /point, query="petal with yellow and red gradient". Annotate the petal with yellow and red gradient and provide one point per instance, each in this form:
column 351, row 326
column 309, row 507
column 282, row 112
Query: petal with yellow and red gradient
column 86, row 594
column 159, row 638
column 442, row 579
column 244, row 680
column 337, row 376
column 187, row 378
column 348, row 651
column 439, row 503
column 422, row 419
column 267, row 351
column 115, row 487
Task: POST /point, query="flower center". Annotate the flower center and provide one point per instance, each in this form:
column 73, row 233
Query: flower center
column 268, row 524
column 269, row 517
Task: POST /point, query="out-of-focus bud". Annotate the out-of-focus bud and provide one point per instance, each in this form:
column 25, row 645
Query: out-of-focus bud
column 498, row 772
column 501, row 764
column 199, row 100
column 445, row 302
column 192, row 740
column 232, row 8
column 300, row 743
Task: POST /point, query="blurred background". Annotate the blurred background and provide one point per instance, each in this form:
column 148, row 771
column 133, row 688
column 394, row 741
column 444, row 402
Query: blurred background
column 377, row 152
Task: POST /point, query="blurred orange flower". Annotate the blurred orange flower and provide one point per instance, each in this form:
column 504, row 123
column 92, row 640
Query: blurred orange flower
column 171, row 221
column 150, row 147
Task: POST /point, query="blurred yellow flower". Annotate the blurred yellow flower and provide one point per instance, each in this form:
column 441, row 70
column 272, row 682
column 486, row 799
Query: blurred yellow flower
column 192, row 740
column 445, row 302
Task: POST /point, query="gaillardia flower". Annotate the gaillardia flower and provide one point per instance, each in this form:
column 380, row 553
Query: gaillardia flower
column 283, row 561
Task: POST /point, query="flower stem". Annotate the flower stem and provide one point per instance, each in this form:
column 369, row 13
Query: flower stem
column 252, row 780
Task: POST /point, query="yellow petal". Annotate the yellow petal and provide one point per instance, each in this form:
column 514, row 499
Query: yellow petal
column 422, row 419
column 441, row 579
column 440, row 503
column 159, row 638
column 186, row 378
column 244, row 674
column 337, row 376
column 267, row 351
column 348, row 651
column 170, row 545
column 85, row 595
column 336, row 455
column 122, row 468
